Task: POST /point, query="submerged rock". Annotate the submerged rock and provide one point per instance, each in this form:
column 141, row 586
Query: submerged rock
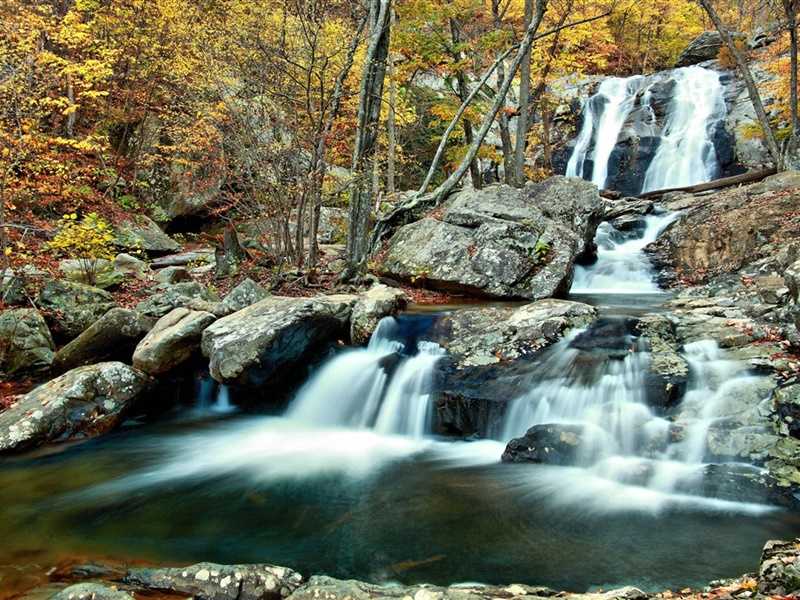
column 173, row 340
column 256, row 345
column 209, row 581
column 501, row 241
column 113, row 335
column 26, row 346
column 378, row 302
column 547, row 444
column 72, row 307
column 83, row 403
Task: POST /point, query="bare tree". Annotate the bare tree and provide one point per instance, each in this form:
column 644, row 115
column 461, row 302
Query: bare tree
column 524, row 106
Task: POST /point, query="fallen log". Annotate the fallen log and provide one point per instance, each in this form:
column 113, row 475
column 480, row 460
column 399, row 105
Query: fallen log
column 750, row 177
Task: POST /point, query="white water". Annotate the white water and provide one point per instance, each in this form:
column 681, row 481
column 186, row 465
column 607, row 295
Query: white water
column 622, row 267
column 686, row 154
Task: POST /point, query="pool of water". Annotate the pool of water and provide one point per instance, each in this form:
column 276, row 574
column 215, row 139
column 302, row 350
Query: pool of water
column 361, row 505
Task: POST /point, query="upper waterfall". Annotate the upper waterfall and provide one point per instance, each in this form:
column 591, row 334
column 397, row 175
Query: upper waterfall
column 651, row 132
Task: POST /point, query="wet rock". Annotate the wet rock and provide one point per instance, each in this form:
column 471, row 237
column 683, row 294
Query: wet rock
column 779, row 571
column 209, row 581
column 92, row 591
column 142, row 233
column 669, row 371
column 72, row 307
column 172, row 341
column 547, row 444
column 112, row 336
column 171, row 275
column 26, row 346
column 611, row 336
column 704, row 47
column 500, row 241
column 786, row 401
column 733, row 481
column 247, row 293
column 82, row 403
column 378, row 302
column 189, row 294
column 256, row 345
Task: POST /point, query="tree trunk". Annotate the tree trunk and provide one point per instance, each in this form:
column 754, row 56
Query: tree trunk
column 369, row 112
column 524, row 105
column 391, row 126
column 752, row 89
column 463, row 93
column 791, row 20
column 502, row 120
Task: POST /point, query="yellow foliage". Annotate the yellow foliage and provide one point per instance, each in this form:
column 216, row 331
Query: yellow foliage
column 87, row 239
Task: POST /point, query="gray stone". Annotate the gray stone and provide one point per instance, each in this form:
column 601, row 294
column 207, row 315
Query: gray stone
column 168, row 297
column 113, row 335
column 26, row 345
column 704, row 47
column 172, row 275
column 201, row 256
column 209, row 581
column 172, row 341
column 97, row 272
column 378, row 302
column 12, row 288
column 72, row 307
column 132, row 266
column 779, row 571
column 82, row 403
column 258, row 344
column 142, row 233
column 247, row 293
column 500, row 241
column 92, row 591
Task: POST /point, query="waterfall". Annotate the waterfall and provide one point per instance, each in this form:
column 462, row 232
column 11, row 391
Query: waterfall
column 377, row 387
column 622, row 266
column 608, row 109
column 686, row 154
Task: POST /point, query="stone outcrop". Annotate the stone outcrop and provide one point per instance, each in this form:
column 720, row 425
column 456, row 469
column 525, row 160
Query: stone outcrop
column 112, row 336
column 376, row 303
column 72, row 307
column 500, row 241
column 142, row 233
column 26, row 346
column 82, row 403
column 261, row 343
column 172, row 341
column 705, row 46
column 547, row 444
column 219, row 582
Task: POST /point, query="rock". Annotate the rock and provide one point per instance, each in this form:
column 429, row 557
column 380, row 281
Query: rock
column 786, row 402
column 172, row 275
column 168, row 297
column 547, row 444
column 209, row 581
column 97, row 272
column 201, row 256
column 669, row 372
column 500, row 241
column 82, row 403
column 779, row 571
column 173, row 340
column 736, row 482
column 112, row 336
column 704, row 47
column 12, row 288
column 791, row 277
column 132, row 266
column 26, row 345
column 491, row 358
column 257, row 345
column 72, row 307
column 378, row 302
column 332, row 225
column 247, row 293
column 142, row 233
column 92, row 591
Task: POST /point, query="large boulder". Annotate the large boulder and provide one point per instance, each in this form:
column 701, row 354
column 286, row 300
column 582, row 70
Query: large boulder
column 112, row 336
column 669, row 372
column 243, row 295
column 705, row 46
column 167, row 297
column 257, row 345
column 779, row 571
column 12, row 288
column 142, row 233
column 173, row 340
column 378, row 302
column 82, row 403
column 547, row 444
column 72, row 307
column 501, row 241
column 211, row 581
column 26, row 345
column 491, row 357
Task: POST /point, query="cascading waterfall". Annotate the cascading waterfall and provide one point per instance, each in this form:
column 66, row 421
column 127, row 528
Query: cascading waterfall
column 375, row 387
column 685, row 153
